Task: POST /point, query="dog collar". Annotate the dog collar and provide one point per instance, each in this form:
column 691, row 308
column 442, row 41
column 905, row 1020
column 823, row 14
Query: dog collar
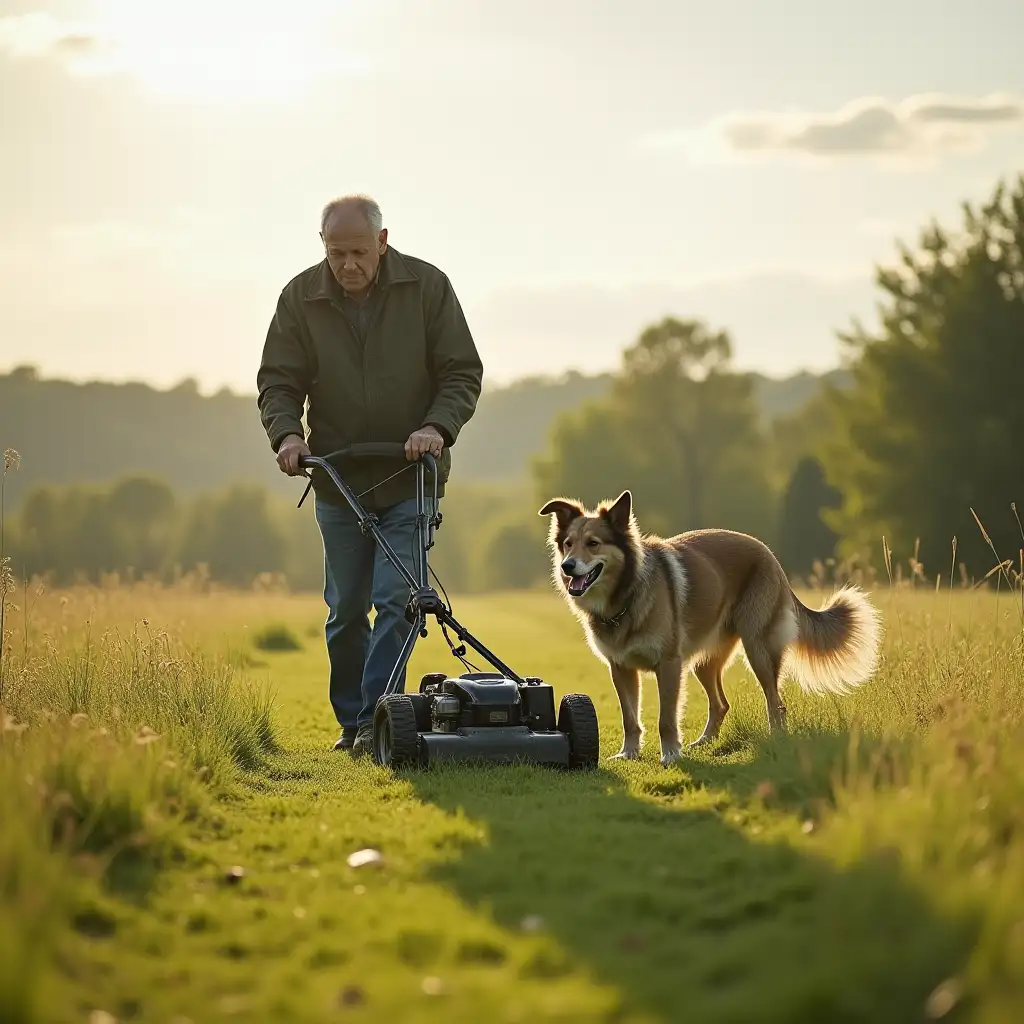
column 615, row 619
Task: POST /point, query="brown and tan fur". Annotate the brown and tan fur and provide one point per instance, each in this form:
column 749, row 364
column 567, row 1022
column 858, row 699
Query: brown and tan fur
column 666, row 605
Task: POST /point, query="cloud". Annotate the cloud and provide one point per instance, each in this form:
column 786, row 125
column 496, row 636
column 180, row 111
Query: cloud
column 76, row 44
column 192, row 49
column 915, row 129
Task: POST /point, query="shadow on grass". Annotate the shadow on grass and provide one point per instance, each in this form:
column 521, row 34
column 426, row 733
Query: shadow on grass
column 796, row 773
column 647, row 885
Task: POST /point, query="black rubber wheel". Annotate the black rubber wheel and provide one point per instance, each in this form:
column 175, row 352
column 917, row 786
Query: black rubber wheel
column 421, row 706
column 577, row 718
column 396, row 743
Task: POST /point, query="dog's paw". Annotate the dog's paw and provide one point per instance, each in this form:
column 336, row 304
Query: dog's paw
column 626, row 754
column 669, row 755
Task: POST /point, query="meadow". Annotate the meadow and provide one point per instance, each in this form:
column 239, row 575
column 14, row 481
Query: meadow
column 176, row 831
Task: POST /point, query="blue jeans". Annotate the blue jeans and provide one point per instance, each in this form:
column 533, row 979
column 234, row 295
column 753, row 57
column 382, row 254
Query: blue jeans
column 356, row 577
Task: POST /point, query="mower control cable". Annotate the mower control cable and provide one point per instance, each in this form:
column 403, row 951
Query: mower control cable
column 424, row 600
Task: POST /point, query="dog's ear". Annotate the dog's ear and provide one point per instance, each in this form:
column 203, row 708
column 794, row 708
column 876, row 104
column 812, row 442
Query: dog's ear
column 619, row 512
column 564, row 511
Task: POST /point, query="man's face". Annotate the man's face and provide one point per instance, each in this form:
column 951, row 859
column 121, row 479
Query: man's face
column 353, row 250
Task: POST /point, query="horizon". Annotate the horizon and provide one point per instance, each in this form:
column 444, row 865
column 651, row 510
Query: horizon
column 553, row 379
column 576, row 184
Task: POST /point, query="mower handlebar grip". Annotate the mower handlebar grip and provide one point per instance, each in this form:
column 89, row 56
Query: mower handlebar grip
column 368, row 450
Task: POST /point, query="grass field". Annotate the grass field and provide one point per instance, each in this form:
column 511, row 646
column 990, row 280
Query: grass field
column 868, row 867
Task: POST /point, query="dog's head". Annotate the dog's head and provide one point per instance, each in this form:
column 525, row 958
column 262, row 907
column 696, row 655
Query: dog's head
column 591, row 550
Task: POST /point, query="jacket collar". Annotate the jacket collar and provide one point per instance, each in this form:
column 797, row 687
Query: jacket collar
column 393, row 269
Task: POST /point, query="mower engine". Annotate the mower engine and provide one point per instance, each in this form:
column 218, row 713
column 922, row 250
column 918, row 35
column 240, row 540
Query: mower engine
column 444, row 713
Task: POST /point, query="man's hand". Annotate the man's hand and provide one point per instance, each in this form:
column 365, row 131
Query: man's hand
column 426, row 439
column 292, row 448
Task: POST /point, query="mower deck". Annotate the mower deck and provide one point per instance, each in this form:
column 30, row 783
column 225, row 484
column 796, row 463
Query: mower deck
column 485, row 717
column 503, row 745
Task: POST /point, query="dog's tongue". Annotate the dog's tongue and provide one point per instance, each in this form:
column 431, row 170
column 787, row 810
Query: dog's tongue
column 578, row 584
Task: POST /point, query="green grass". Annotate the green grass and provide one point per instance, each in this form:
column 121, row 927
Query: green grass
column 110, row 755
column 868, row 867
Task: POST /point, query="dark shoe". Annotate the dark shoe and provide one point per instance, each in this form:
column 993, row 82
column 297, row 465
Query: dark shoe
column 345, row 740
column 364, row 740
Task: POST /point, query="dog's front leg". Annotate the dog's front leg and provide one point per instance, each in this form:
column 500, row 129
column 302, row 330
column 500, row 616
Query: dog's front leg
column 627, row 686
column 670, row 692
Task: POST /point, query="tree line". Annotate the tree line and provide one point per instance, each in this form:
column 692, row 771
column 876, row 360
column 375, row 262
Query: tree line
column 94, row 432
column 242, row 535
column 912, row 455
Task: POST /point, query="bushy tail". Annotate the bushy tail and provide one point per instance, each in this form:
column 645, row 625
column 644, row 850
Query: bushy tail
column 836, row 647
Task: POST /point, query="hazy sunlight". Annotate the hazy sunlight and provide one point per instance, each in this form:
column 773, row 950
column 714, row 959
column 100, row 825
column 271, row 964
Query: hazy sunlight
column 219, row 52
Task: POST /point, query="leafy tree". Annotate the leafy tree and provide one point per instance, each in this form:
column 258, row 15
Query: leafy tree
column 590, row 455
column 803, row 535
column 802, row 433
column 235, row 535
column 67, row 532
column 512, row 553
column 141, row 514
column 680, row 429
column 87, row 531
column 932, row 426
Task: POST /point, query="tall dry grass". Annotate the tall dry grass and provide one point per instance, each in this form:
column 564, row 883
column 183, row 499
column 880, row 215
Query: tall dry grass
column 109, row 752
column 111, row 749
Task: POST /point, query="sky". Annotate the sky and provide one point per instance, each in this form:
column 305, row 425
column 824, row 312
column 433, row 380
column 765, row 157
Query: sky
column 578, row 168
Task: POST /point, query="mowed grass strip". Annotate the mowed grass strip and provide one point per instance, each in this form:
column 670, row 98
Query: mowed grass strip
column 867, row 867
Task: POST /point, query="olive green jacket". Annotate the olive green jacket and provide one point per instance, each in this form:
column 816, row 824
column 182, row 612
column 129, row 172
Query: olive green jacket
column 418, row 366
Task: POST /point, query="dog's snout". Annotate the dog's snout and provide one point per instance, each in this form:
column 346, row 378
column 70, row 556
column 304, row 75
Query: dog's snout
column 569, row 566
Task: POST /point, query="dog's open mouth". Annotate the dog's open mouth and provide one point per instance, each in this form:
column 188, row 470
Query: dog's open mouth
column 578, row 585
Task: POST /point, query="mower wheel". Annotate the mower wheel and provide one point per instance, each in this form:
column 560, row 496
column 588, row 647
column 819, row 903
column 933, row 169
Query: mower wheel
column 577, row 718
column 396, row 742
column 421, row 706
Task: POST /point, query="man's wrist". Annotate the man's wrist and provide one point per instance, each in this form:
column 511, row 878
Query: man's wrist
column 286, row 437
column 440, row 431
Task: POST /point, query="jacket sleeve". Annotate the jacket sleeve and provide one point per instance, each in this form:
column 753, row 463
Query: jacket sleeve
column 456, row 367
column 283, row 378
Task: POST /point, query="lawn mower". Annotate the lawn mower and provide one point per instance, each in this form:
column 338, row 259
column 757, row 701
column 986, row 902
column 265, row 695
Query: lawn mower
column 495, row 716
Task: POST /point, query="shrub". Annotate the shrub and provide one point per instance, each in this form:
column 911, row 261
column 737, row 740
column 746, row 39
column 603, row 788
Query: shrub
column 277, row 637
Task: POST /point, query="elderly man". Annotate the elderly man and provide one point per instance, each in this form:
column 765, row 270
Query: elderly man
column 376, row 342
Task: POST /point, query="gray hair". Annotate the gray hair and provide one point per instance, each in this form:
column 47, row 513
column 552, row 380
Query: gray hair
column 367, row 206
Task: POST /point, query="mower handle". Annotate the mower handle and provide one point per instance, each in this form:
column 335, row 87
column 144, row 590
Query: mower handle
column 369, row 450
column 366, row 450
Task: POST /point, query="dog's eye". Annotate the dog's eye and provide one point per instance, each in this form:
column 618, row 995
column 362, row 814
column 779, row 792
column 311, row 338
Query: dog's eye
column 593, row 542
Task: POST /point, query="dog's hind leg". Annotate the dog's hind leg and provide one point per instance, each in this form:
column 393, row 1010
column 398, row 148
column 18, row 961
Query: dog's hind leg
column 627, row 686
column 766, row 664
column 756, row 619
column 670, row 700
column 709, row 672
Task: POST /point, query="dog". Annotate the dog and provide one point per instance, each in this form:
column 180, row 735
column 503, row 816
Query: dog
column 666, row 605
